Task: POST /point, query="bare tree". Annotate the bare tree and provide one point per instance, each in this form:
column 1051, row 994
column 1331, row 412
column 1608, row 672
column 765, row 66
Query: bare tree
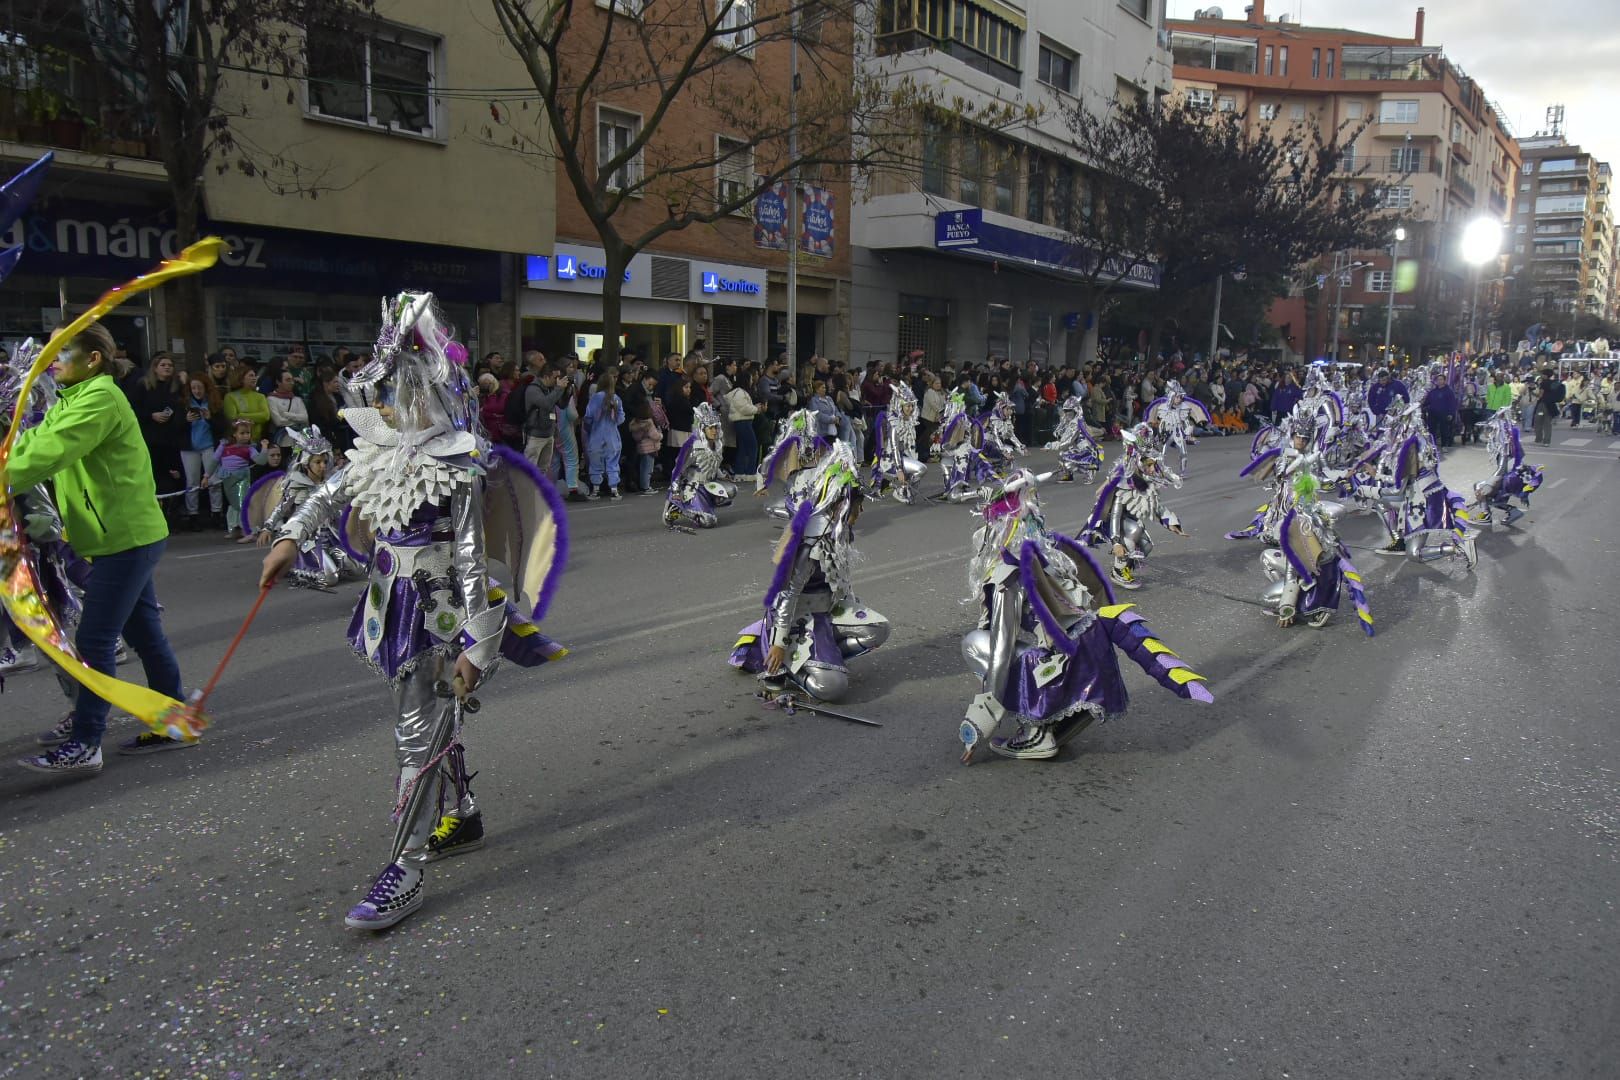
column 726, row 62
column 172, row 61
column 1201, row 195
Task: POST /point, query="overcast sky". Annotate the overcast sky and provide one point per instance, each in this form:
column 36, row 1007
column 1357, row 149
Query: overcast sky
column 1525, row 56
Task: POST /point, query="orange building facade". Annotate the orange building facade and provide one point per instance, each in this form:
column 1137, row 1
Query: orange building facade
column 1418, row 128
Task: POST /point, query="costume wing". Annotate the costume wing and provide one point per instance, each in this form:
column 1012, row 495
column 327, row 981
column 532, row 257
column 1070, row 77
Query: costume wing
column 1155, row 409
column 1300, row 546
column 1091, row 575
column 1103, row 507
column 1200, row 411
column 1409, row 462
column 1264, row 467
column 264, row 496
column 355, row 533
column 525, row 530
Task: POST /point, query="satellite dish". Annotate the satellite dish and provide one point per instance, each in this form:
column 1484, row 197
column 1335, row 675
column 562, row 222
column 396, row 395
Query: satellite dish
column 1214, row 13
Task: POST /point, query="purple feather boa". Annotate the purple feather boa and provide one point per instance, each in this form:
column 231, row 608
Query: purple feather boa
column 784, row 565
column 1099, row 509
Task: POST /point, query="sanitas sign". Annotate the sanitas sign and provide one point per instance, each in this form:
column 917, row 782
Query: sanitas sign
column 714, row 283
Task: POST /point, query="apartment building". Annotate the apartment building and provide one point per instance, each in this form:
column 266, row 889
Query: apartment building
column 1424, row 134
column 726, row 283
column 972, row 253
column 385, row 138
column 1562, row 254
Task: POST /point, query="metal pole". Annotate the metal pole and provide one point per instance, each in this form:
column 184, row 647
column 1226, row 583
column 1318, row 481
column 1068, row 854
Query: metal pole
column 1338, row 307
column 1389, row 309
column 1215, row 324
column 793, row 199
column 1473, row 313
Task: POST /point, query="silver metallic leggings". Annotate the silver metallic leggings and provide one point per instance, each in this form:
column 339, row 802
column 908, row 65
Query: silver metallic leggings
column 425, row 723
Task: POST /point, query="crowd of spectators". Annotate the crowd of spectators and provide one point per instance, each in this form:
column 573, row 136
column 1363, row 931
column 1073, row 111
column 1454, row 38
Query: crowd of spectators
column 608, row 426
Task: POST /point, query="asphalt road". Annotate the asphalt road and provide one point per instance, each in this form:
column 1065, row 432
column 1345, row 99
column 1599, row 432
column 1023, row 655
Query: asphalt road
column 1375, row 858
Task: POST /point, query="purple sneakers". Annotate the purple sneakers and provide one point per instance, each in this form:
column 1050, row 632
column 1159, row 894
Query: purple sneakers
column 395, row 894
column 68, row 759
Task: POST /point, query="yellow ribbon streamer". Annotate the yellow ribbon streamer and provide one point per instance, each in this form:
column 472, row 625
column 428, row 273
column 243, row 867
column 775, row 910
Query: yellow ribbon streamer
column 19, row 584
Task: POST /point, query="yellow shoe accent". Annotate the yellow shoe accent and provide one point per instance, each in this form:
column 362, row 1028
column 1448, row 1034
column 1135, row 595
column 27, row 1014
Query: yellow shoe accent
column 1114, row 611
column 447, row 825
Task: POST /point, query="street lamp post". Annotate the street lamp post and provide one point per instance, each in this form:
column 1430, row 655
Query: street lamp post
column 1481, row 241
column 1389, row 309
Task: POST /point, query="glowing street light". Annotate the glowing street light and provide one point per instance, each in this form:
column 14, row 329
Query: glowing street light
column 1481, row 242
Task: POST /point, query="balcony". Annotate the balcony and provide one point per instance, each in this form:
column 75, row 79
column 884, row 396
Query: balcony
column 1460, row 150
column 1498, row 203
column 1462, row 187
column 1211, row 52
column 1386, row 165
column 51, row 99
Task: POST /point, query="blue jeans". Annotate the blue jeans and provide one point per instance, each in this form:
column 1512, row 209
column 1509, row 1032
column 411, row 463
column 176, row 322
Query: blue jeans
column 121, row 596
column 644, row 463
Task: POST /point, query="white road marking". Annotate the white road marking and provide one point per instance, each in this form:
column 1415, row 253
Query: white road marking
column 1555, row 483
column 1573, row 442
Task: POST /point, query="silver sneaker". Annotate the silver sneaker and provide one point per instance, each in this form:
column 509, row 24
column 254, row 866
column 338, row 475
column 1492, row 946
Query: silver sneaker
column 395, row 894
column 16, row 661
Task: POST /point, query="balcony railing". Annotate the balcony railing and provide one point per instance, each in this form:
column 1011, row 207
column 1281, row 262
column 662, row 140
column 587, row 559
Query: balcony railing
column 1464, row 188
column 50, row 98
column 904, row 41
column 1498, row 202
column 1387, row 164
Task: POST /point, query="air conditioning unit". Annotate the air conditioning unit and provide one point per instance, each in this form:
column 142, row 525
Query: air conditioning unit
column 1285, row 18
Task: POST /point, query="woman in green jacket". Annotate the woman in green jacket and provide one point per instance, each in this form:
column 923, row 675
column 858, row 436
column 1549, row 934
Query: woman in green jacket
column 246, row 403
column 90, row 444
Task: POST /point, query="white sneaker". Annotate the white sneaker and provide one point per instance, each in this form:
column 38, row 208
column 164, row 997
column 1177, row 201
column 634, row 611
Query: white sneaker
column 70, row 757
column 395, row 894
column 56, row 736
column 17, row 661
column 1028, row 742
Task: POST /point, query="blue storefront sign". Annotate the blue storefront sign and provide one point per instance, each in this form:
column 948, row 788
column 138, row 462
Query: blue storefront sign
column 958, row 228
column 72, row 239
column 713, row 282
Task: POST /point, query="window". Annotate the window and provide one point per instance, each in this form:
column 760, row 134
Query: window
column 615, row 131
column 1518, row 249
column 1395, row 197
column 1316, row 63
column 1529, row 168
column 1456, row 130
column 1269, row 52
column 933, row 160
column 736, row 26
column 1056, row 67
column 1005, row 180
column 1397, row 112
column 1035, row 197
column 1201, row 99
column 972, row 165
column 1268, row 110
column 1139, row 8
column 1296, row 112
column 382, row 79
column 632, row 8
column 1406, row 159
column 1282, row 60
column 1353, row 110
column 1561, row 204
column 984, row 32
column 1524, row 187
column 1330, row 64
column 998, row 330
column 1063, row 215
column 734, row 172
column 1226, row 103
column 1521, row 228
column 1378, row 281
column 1561, row 165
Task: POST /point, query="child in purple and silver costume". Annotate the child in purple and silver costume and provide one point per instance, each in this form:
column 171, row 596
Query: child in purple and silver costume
column 439, row 502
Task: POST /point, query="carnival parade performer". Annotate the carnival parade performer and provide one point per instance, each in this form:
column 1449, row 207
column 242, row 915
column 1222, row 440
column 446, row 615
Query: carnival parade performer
column 1420, row 514
column 797, row 448
column 1276, row 468
column 1077, row 451
column 814, row 624
column 1043, row 649
column 1000, row 444
column 1176, row 417
column 895, row 466
column 966, row 467
column 697, row 489
column 1511, row 476
column 1310, row 565
column 1127, row 502
column 89, row 445
column 322, row 560
column 430, row 621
